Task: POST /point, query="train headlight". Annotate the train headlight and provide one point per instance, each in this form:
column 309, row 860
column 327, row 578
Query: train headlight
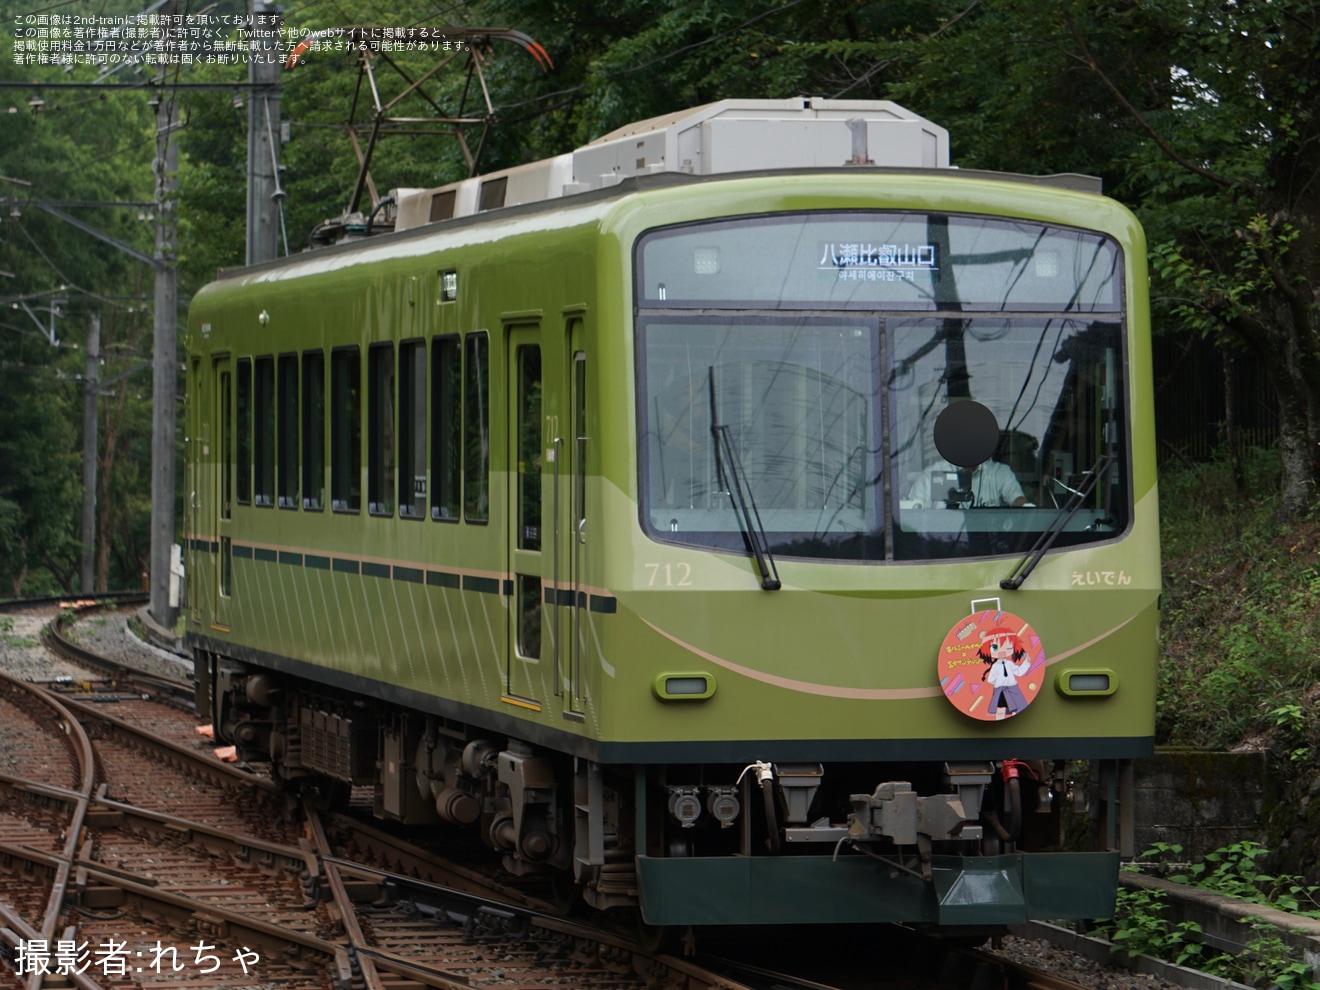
column 685, row 686
column 1087, row 683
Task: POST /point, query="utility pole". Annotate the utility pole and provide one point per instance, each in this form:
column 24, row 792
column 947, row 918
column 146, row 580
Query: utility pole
column 91, row 386
column 165, row 365
column 264, row 190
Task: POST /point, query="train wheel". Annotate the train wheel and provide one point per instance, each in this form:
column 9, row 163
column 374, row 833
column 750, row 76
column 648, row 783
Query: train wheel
column 679, row 844
column 324, row 793
column 659, row 938
column 565, row 894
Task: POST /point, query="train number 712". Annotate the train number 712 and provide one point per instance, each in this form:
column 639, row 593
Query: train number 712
column 675, row 575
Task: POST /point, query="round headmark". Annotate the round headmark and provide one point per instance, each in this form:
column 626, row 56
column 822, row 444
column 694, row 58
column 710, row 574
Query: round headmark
column 966, row 433
column 991, row 665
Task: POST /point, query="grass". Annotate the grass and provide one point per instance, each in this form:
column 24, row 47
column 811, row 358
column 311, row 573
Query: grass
column 1240, row 631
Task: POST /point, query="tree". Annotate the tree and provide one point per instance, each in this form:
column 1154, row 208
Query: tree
column 1202, row 117
column 67, row 145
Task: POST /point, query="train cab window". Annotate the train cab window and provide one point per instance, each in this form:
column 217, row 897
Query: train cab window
column 345, row 430
column 476, row 427
column 287, row 466
column 1057, row 438
column 825, row 370
column 313, row 430
column 794, row 401
column 412, row 429
column 263, row 436
column 243, row 432
column 380, row 430
column 446, row 428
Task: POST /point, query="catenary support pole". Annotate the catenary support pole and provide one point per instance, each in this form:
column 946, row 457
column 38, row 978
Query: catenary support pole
column 91, row 384
column 164, row 391
column 264, row 192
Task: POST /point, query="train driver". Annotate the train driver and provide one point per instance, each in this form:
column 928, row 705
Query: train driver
column 991, row 484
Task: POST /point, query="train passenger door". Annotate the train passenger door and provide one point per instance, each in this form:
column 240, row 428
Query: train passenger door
column 220, row 490
column 526, row 672
column 196, row 405
column 572, row 487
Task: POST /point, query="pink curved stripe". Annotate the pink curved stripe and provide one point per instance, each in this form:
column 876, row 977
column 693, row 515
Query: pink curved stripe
column 856, row 694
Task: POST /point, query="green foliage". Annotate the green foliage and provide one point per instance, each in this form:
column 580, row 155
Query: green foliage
column 7, row 634
column 1139, row 927
column 1140, row 923
column 1269, row 962
column 1212, row 301
column 1240, row 630
column 1233, row 871
column 83, row 147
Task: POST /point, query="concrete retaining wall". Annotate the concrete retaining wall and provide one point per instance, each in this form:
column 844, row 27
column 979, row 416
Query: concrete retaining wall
column 1200, row 800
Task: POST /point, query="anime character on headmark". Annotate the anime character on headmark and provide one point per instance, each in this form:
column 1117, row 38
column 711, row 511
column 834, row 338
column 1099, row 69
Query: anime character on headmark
column 1006, row 660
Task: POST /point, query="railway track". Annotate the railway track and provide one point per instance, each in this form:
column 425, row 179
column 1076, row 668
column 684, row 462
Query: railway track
column 133, row 857
column 173, row 862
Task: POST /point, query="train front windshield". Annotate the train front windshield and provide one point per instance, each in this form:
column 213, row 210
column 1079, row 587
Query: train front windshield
column 806, row 359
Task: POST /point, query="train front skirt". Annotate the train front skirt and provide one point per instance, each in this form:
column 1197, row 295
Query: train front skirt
column 963, row 890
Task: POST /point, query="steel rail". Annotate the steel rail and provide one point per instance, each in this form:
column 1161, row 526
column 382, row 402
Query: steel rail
column 656, row 969
column 407, row 858
column 179, row 693
column 357, row 939
column 205, row 765
column 189, row 912
column 52, row 601
column 77, row 740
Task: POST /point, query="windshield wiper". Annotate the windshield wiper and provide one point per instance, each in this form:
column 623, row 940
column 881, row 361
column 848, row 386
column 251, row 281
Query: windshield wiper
column 729, row 470
column 1057, row 524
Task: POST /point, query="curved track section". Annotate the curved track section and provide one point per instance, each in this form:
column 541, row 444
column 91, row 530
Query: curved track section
column 40, row 822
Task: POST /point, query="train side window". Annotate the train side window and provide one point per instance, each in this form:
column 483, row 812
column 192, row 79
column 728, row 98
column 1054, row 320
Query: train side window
column 580, row 437
column 412, row 428
column 226, row 444
column 476, row 427
column 243, row 449
column 529, row 616
column 313, row 430
column 263, row 435
column 226, row 566
column 529, row 448
column 345, row 430
column 380, row 429
column 287, row 453
column 446, row 428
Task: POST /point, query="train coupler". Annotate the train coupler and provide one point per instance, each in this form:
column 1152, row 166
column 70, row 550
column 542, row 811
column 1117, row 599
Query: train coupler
column 896, row 812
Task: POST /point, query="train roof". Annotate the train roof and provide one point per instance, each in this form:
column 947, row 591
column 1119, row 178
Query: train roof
column 719, row 138
column 335, row 254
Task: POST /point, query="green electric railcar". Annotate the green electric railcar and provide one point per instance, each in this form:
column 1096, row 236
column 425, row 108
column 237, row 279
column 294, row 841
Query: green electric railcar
column 744, row 539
